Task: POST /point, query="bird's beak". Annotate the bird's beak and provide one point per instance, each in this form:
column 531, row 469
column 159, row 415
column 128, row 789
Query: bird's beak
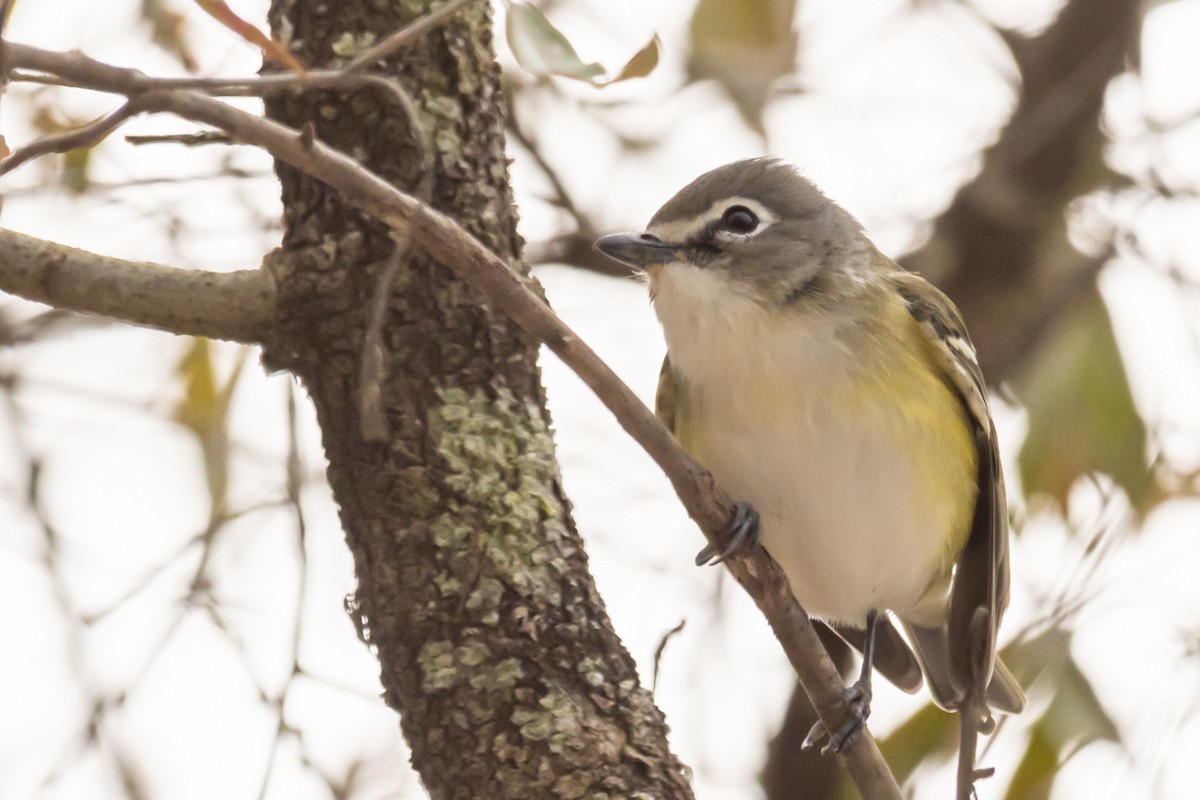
column 640, row 250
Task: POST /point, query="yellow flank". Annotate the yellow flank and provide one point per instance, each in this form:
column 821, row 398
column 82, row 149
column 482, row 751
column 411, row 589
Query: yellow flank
column 842, row 434
column 925, row 399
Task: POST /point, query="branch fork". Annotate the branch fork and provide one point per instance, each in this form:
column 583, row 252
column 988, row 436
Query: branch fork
column 240, row 306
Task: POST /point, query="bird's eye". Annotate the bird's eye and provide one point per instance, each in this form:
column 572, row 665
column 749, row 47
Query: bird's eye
column 739, row 219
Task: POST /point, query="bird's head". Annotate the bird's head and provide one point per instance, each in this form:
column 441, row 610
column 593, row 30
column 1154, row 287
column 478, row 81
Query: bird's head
column 756, row 227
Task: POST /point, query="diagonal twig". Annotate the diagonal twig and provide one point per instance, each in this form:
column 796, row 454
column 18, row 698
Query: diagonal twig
column 87, row 136
column 408, row 33
column 444, row 240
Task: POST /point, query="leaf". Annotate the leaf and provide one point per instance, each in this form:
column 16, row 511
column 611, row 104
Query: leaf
column 1035, row 772
column 204, row 410
column 745, row 46
column 1074, row 718
column 643, row 62
column 1081, row 413
column 198, row 406
column 218, row 10
column 928, row 732
column 75, row 175
column 167, row 29
column 50, row 120
column 542, row 49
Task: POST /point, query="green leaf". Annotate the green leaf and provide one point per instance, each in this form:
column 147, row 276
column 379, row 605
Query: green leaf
column 1074, row 718
column 204, row 411
column 926, row 733
column 541, row 48
column 1081, row 413
column 1034, row 774
column 75, row 173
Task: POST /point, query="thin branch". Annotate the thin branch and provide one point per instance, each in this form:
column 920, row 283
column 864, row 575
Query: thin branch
column 220, row 305
column 87, row 136
column 574, row 249
column 562, row 198
column 372, row 364
column 405, row 35
column 185, row 139
column 658, row 652
column 510, row 293
column 263, row 85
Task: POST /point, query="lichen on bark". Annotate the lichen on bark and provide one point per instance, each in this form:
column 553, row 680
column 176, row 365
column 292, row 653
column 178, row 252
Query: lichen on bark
column 493, row 643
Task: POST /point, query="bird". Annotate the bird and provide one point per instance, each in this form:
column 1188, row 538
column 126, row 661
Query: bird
column 839, row 399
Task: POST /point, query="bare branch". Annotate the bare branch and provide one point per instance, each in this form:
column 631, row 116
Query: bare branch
column 405, row 35
column 562, row 198
column 509, row 292
column 220, row 305
column 574, row 249
column 658, row 652
column 185, row 139
column 262, row 85
column 372, row 364
column 87, row 136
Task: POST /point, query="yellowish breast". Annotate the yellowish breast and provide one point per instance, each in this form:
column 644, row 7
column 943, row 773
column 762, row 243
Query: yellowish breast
column 855, row 451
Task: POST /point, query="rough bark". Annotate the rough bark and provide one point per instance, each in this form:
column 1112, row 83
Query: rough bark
column 473, row 587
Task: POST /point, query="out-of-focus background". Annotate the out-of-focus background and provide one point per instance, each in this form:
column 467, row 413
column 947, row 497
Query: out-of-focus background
column 172, row 572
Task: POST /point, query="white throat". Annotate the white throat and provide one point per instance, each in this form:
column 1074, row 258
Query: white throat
column 716, row 333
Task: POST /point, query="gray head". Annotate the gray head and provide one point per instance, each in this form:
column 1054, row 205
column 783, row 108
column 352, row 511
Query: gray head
column 759, row 222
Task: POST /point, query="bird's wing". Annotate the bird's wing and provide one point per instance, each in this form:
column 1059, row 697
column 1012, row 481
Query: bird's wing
column 667, row 396
column 981, row 573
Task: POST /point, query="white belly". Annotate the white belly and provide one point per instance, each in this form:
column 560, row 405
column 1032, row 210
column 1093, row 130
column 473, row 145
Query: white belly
column 828, row 430
column 845, row 510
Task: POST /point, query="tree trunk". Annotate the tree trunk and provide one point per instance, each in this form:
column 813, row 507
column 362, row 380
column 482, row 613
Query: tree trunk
column 473, row 586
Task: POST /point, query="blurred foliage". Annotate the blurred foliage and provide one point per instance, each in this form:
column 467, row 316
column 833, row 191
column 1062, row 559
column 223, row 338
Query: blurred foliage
column 929, row 734
column 168, row 30
column 1073, row 718
column 272, row 50
column 543, row 50
column 745, row 46
column 204, row 410
column 75, row 169
column 1081, row 412
column 49, row 119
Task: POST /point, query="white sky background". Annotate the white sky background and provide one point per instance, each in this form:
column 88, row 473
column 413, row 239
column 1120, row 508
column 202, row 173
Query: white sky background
column 896, row 102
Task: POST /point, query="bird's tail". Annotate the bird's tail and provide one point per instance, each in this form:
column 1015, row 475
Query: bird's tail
column 932, row 648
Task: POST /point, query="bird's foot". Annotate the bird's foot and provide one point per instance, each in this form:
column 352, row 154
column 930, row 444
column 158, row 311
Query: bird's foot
column 857, row 698
column 741, row 536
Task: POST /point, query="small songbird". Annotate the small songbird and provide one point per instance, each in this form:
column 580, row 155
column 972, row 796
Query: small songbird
column 839, row 397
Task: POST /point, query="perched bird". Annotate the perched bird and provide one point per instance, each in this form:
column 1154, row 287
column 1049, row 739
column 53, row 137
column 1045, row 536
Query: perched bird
column 839, row 397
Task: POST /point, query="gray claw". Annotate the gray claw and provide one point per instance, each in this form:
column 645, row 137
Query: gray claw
column 741, row 536
column 858, row 707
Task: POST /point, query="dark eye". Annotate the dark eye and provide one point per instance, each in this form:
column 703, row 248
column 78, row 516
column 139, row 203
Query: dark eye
column 739, row 219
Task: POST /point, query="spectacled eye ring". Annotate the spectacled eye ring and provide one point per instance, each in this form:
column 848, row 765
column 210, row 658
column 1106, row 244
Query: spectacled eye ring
column 739, row 219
